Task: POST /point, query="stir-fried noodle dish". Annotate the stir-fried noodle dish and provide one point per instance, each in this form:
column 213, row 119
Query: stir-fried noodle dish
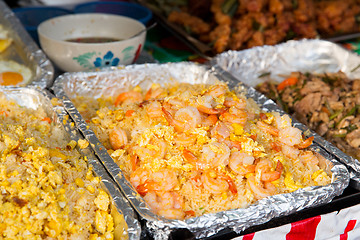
column 48, row 190
column 192, row 149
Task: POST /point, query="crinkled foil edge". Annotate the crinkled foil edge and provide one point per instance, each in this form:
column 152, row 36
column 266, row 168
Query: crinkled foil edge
column 24, row 95
column 44, row 72
column 305, row 56
column 208, row 224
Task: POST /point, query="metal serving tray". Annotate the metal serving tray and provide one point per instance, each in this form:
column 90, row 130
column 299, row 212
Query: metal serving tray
column 112, row 81
column 317, row 56
column 24, row 50
column 35, row 98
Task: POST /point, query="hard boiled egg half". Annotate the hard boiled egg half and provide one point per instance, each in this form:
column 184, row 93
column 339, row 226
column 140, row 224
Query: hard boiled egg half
column 13, row 73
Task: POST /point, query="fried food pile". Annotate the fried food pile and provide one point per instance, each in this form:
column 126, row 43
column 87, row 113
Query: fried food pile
column 241, row 24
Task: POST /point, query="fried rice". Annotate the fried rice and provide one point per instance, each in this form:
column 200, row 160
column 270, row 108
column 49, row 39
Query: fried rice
column 48, row 190
column 192, row 149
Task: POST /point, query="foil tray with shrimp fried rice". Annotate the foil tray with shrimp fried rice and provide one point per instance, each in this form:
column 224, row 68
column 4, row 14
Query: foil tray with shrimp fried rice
column 22, row 62
column 61, row 180
column 275, row 63
column 75, row 89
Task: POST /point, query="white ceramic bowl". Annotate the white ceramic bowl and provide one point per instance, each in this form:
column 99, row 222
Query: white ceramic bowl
column 75, row 56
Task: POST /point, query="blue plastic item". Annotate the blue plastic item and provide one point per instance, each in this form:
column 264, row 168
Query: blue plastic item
column 31, row 17
column 127, row 9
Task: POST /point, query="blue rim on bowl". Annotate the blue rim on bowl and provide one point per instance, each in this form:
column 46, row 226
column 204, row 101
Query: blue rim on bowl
column 31, row 17
column 127, row 9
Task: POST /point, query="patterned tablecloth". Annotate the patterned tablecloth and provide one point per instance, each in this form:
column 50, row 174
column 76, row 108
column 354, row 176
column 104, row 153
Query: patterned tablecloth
column 339, row 225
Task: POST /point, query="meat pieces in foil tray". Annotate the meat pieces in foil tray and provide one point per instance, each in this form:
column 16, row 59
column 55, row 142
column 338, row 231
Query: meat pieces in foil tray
column 47, row 187
column 192, row 149
column 328, row 103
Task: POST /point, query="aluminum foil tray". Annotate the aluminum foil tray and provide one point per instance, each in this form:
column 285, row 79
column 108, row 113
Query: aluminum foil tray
column 109, row 82
column 25, row 51
column 36, row 98
column 316, row 56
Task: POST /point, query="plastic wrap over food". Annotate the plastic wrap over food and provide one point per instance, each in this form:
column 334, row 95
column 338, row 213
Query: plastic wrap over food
column 112, row 81
column 316, row 56
column 24, row 53
column 126, row 226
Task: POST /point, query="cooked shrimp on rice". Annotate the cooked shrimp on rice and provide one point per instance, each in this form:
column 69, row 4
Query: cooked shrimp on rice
column 201, row 148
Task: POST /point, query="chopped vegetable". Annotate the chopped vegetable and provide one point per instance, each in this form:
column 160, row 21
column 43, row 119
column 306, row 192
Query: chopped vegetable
column 286, row 83
column 46, row 119
column 264, row 74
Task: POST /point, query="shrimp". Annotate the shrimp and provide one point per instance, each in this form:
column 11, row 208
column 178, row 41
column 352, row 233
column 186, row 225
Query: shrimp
column 233, row 144
column 212, row 155
column 276, row 146
column 241, row 163
column 166, row 204
column 237, row 103
column 206, row 104
column 154, row 109
column 139, row 177
column 260, row 190
column 267, row 128
column 173, row 104
column 118, row 138
column 128, row 97
column 154, row 93
column 234, row 115
column 217, row 183
column 155, row 149
column 193, row 159
column 264, row 168
column 134, row 161
column 220, row 131
column 183, row 139
column 290, row 151
column 215, row 154
column 216, row 90
column 172, row 213
column 308, row 157
column 145, row 180
column 184, row 119
column 306, row 143
column 283, row 121
column 208, row 110
column 209, row 120
column 290, row 136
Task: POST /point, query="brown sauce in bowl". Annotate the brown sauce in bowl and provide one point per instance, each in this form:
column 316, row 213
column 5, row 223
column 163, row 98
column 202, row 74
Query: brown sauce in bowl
column 93, row 40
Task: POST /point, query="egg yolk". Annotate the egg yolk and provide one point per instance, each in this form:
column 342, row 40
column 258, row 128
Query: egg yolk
column 10, row 78
column 4, row 44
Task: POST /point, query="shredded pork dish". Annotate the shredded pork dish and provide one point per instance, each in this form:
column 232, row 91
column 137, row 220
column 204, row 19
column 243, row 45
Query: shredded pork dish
column 191, row 149
column 48, row 190
column 240, row 24
column 328, row 103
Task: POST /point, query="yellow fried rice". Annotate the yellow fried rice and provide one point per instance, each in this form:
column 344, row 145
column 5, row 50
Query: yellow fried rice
column 48, row 191
column 192, row 149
